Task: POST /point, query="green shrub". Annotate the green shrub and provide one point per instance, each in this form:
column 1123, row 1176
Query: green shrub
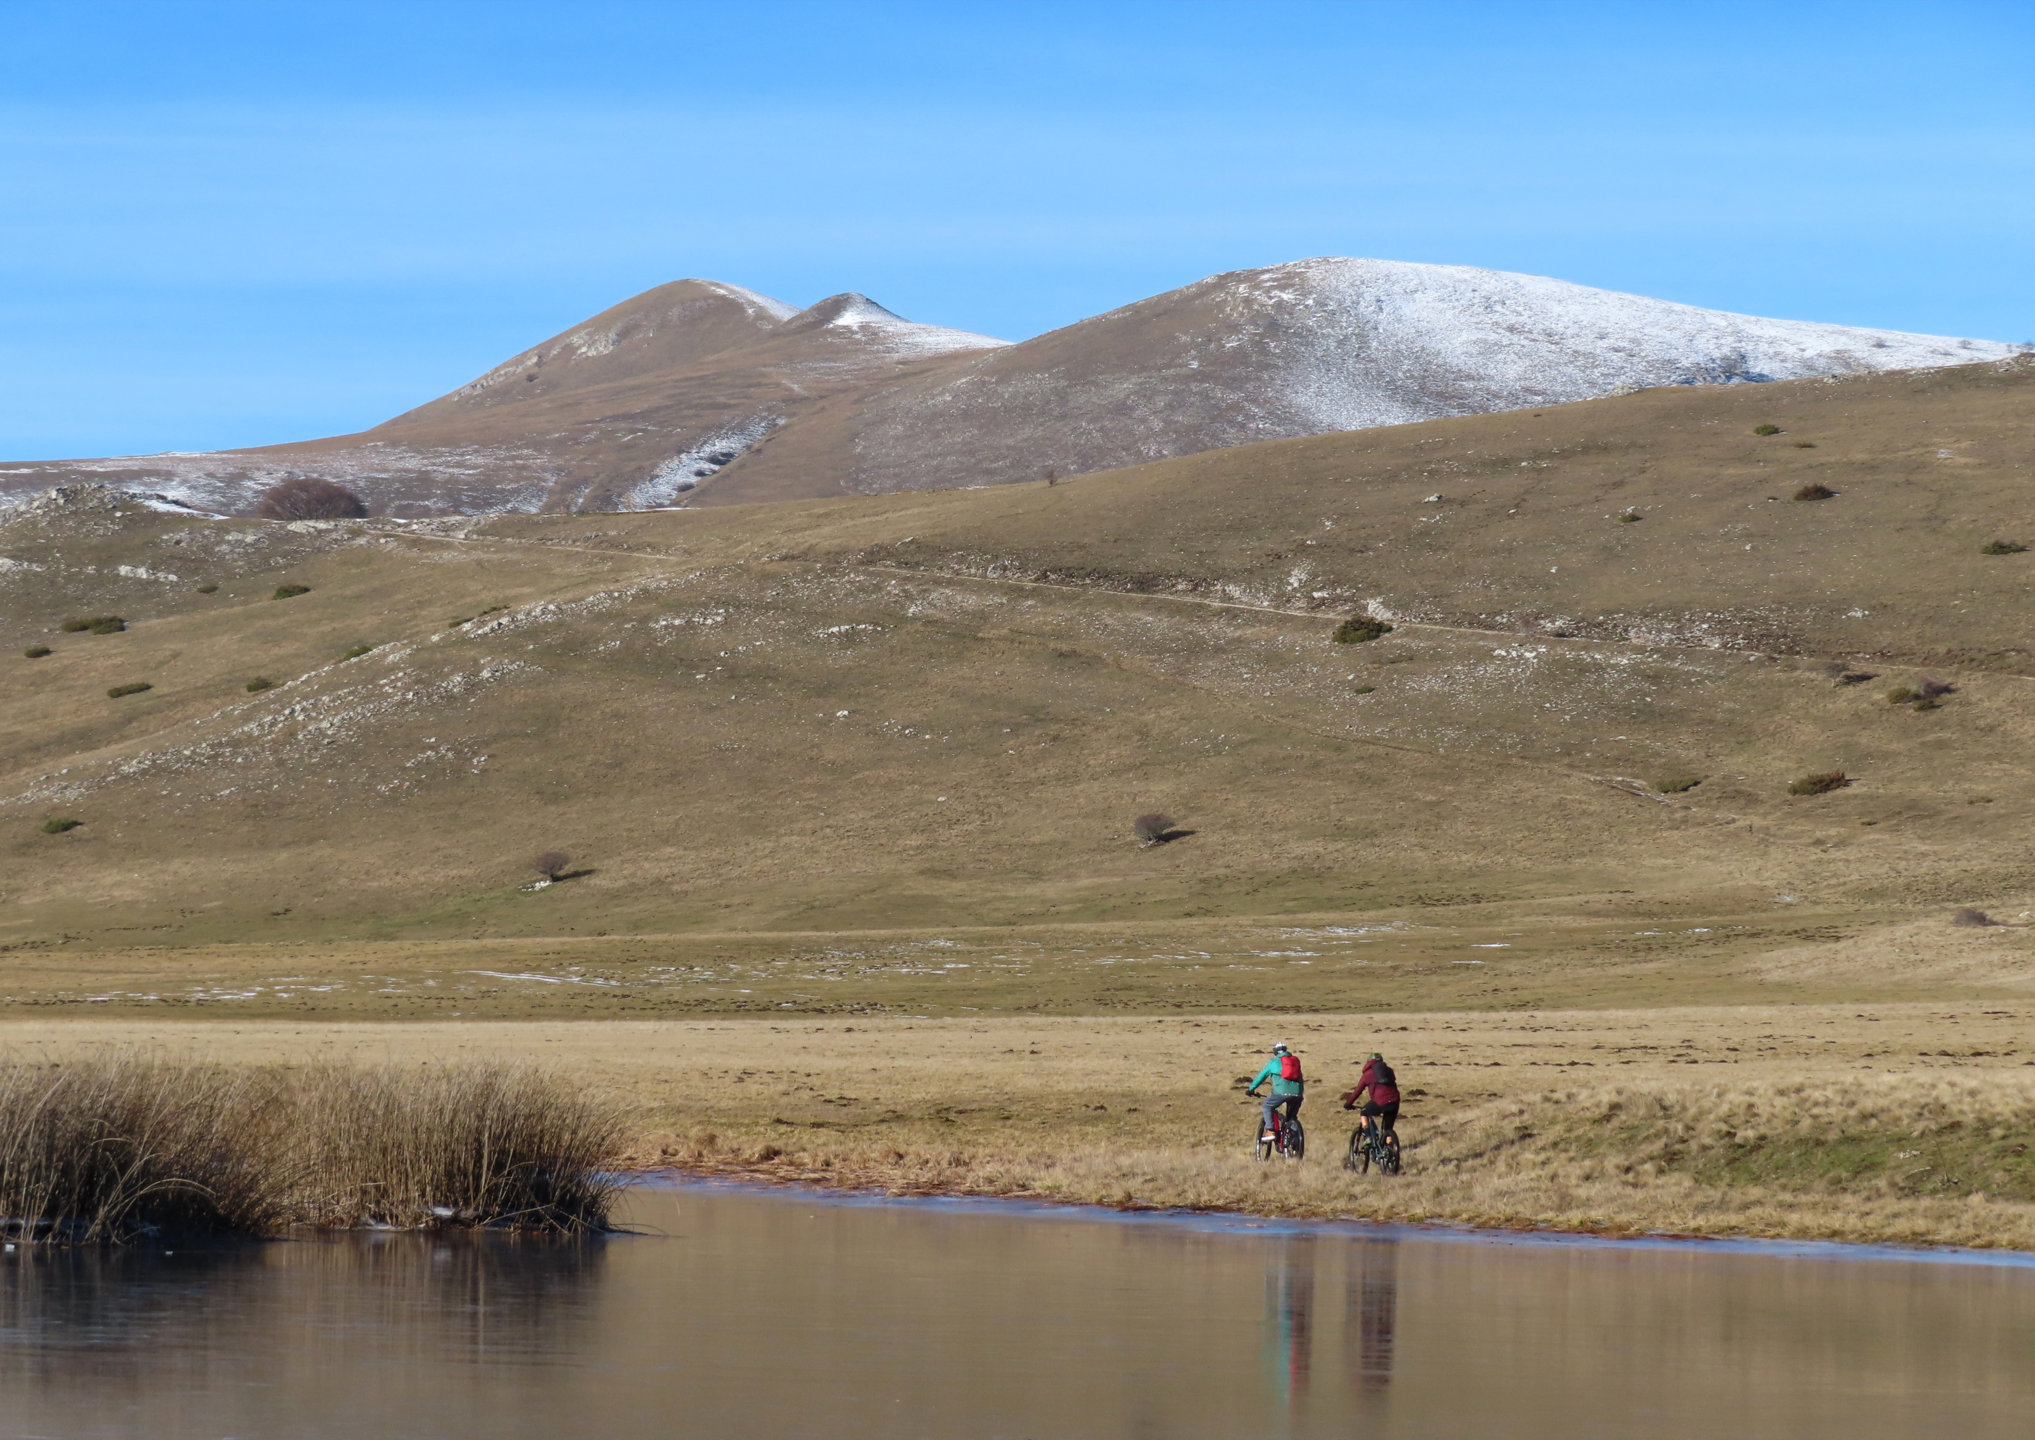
column 356, row 651
column 95, row 624
column 1676, row 784
column 1359, row 629
column 1363, row 690
column 36, row 652
column 208, row 589
column 1815, row 490
column 1766, row 429
column 57, row 827
column 1903, row 695
column 135, row 689
column 2003, row 547
column 1630, row 517
column 1821, row 783
column 284, row 592
column 260, row 683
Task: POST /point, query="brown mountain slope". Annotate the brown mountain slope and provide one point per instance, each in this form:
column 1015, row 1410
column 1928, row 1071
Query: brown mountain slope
column 707, row 393
column 906, row 713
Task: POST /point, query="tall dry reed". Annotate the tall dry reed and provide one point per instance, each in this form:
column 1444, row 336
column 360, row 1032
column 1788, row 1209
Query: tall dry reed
column 490, row 1144
column 104, row 1149
column 112, row 1149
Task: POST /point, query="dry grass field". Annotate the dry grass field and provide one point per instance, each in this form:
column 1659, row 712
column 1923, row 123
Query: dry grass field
column 1906, row 1123
column 875, row 762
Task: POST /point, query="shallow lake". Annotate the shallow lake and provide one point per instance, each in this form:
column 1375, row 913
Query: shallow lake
column 743, row 1313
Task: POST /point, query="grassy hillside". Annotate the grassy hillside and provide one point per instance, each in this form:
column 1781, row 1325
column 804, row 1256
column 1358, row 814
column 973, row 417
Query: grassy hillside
column 790, row 747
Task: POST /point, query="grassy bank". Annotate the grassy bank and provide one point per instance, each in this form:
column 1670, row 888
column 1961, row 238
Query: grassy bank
column 1872, row 1161
column 1871, row 1122
column 106, row 1149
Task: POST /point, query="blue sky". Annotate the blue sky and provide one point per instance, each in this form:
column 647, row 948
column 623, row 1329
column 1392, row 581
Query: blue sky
column 231, row 224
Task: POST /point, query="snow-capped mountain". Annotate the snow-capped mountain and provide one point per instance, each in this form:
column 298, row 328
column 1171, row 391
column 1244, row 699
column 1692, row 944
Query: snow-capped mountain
column 700, row 392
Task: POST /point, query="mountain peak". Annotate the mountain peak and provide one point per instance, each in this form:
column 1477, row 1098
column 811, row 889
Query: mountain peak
column 857, row 315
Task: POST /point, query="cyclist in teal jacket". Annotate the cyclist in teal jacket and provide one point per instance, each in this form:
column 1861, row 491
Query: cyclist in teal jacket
column 1287, row 1090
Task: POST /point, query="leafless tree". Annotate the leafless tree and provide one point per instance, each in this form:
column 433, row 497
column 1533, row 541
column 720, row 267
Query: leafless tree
column 307, row 498
column 1152, row 829
column 551, row 864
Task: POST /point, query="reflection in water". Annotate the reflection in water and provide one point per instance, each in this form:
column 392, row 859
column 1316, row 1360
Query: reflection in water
column 1370, row 1284
column 1289, row 1317
column 1371, row 1313
column 745, row 1315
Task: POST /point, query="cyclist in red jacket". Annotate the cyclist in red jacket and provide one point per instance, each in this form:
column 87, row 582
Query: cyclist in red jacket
column 1378, row 1092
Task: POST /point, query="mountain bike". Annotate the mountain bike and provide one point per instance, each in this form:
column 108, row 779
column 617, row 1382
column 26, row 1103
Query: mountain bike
column 1368, row 1147
column 1286, row 1137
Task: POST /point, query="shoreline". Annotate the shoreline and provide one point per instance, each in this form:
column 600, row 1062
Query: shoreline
column 1230, row 1221
column 853, row 1186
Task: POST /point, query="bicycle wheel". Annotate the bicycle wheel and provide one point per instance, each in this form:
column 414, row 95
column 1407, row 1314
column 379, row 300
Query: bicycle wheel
column 1353, row 1158
column 1261, row 1140
column 1388, row 1159
column 1296, row 1141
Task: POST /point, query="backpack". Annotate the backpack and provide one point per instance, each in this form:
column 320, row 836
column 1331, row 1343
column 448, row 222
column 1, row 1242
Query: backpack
column 1289, row 1067
column 1381, row 1074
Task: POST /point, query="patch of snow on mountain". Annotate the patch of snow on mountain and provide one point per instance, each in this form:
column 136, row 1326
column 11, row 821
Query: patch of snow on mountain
column 756, row 304
column 702, row 460
column 870, row 321
column 474, row 479
column 1379, row 342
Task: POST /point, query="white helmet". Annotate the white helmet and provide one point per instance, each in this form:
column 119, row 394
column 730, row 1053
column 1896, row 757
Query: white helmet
column 1281, row 1049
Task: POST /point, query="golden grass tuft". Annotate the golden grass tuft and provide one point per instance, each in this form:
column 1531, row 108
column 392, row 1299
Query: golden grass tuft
column 111, row 1149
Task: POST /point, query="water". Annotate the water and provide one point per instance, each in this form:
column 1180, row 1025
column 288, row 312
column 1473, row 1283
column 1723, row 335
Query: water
column 756, row 1314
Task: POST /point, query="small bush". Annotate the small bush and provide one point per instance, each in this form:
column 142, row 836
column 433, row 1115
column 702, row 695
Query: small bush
column 1676, row 784
column 1903, row 695
column 135, row 689
column 260, row 683
column 306, row 498
column 36, row 652
column 1360, row 629
column 1935, row 689
column 1153, row 829
column 58, row 827
column 1805, row 444
column 1815, row 491
column 94, row 624
column 356, row 651
column 1821, row 783
column 1856, row 677
column 551, row 864
column 1766, row 429
column 1363, row 690
column 1969, row 915
column 1630, row 517
column 2003, row 547
column 285, row 592
column 208, row 589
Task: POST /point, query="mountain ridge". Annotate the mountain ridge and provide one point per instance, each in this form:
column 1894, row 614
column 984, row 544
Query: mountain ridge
column 700, row 392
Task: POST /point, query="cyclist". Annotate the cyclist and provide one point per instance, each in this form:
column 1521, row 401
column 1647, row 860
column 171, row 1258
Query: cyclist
column 1378, row 1091
column 1289, row 1087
